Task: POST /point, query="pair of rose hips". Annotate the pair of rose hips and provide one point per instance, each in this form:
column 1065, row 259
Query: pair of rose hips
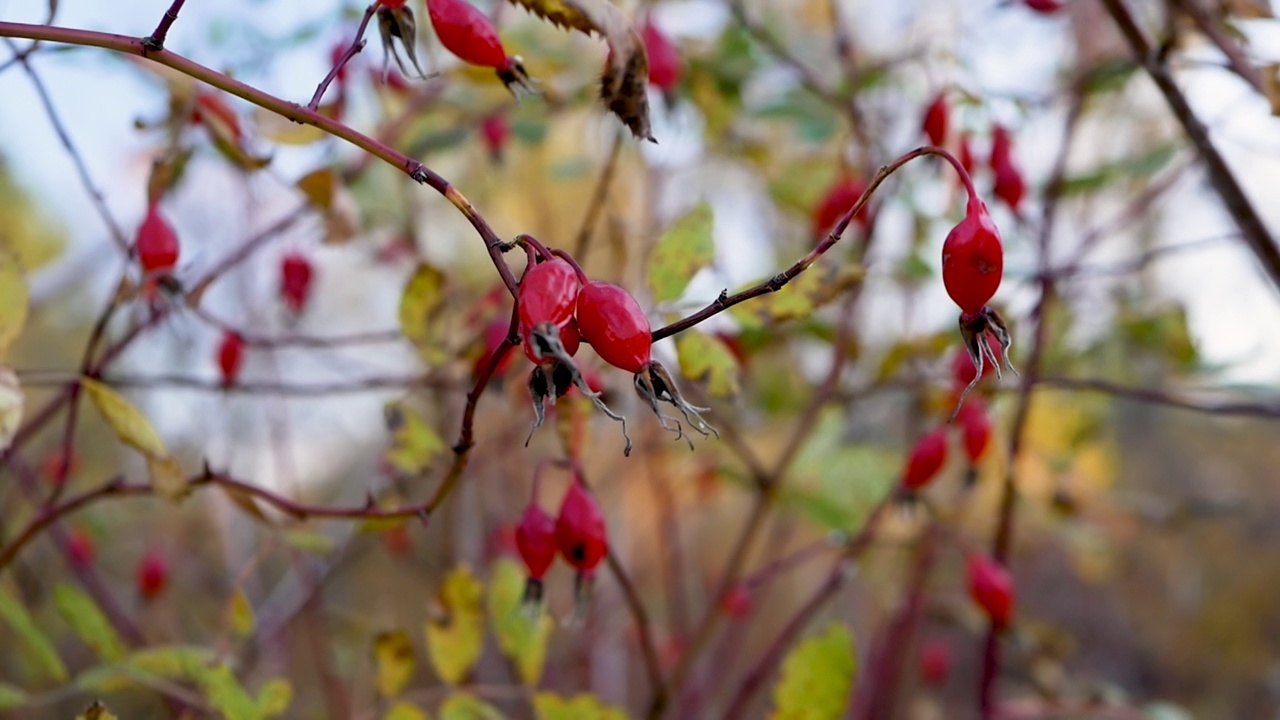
column 559, row 308
column 929, row 453
column 577, row 534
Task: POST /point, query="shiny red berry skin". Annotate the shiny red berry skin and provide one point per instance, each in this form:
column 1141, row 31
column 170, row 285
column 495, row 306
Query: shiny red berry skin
column 157, row 243
column 296, row 275
column 1045, row 7
column 937, row 119
column 664, row 58
column 152, row 575
column 1009, row 186
column 80, row 549
column 926, row 459
column 580, row 534
column 495, row 131
column 975, row 428
column 973, row 259
column 991, row 587
column 935, row 662
column 612, row 322
column 836, row 202
column 230, row 357
column 466, row 32
column 536, row 540
column 548, row 294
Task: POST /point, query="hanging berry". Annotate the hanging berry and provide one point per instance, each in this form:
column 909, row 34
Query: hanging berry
column 152, row 575
column 935, row 662
column 466, row 32
column 296, row 275
column 536, row 539
column 615, row 326
column 838, row 199
column 495, row 131
column 991, row 587
column 580, row 536
column 664, row 59
column 975, row 429
column 156, row 244
column 965, row 154
column 926, row 459
column 973, row 258
column 1009, row 184
column 937, row 120
column 1045, row 7
column 230, row 357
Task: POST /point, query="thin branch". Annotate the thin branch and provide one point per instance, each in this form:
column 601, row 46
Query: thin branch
column 155, row 41
column 1156, row 396
column 583, row 242
column 644, row 628
column 278, row 388
column 357, row 44
column 1236, row 60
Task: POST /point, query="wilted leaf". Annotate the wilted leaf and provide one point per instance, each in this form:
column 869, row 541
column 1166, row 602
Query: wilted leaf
column 318, row 186
column 307, row 540
column 228, row 141
column 167, row 478
column 275, row 697
column 414, row 444
column 245, row 502
column 13, row 300
column 522, row 632
column 225, row 693
column 130, row 425
column 35, row 646
column 461, row 706
column 705, row 357
column 550, row 706
column 87, row 620
column 12, row 697
column 422, row 299
column 684, row 249
column 166, row 172
column 12, row 404
column 815, row 287
column 456, row 637
column 816, row 677
column 406, row 711
column 96, row 711
column 393, row 657
column 243, row 620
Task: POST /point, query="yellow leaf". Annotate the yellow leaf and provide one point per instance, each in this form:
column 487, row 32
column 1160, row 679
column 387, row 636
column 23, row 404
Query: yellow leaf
column 455, row 639
column 817, row 676
column 12, row 403
column 813, row 288
column 88, row 621
column 13, row 300
column 125, row 420
column 522, row 631
column 705, row 357
column 32, row 645
column 413, row 443
column 393, row 656
column 275, row 697
column 96, row 711
column 550, row 706
column 406, row 711
column 307, row 540
column 167, row 478
column 318, row 186
column 283, row 131
column 461, row 706
column 242, row 616
column 423, row 298
column 684, row 249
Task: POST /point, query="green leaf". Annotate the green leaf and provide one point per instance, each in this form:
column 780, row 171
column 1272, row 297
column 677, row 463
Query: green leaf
column 686, row 248
column 242, row 617
column 817, row 676
column 88, row 621
column 705, row 357
column 38, row 647
column 130, row 425
column 225, row 693
column 406, row 711
column 456, row 637
column 550, row 706
column 275, row 697
column 170, row 661
column 813, row 288
column 414, row 444
column 1140, row 167
column 393, row 658
column 822, row 487
column 14, row 303
column 422, row 300
column 12, row 697
column 461, row 706
column 308, row 540
column 522, row 631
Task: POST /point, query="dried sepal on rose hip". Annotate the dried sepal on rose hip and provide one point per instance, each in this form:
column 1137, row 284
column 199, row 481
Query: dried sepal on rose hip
column 396, row 22
column 536, row 542
column 612, row 322
column 467, row 33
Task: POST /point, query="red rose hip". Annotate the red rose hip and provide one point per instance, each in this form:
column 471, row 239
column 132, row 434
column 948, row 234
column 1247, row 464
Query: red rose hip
column 156, row 243
column 973, row 259
column 926, row 459
column 991, row 587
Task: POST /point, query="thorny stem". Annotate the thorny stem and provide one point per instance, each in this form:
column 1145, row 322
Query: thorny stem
column 357, row 44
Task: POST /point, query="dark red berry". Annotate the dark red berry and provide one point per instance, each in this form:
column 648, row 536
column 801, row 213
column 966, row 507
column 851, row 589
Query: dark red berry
column 157, row 243
column 937, row 120
column 495, row 131
column 152, row 575
column 737, row 602
column 580, row 533
column 467, row 33
column 1001, row 146
column 1009, row 186
column 926, row 459
column 536, row 540
column 230, row 357
column 965, row 155
column 548, row 294
column 664, row 59
column 991, row 587
column 296, row 275
column 837, row 201
column 975, row 427
column 1045, row 7
column 615, row 326
column 973, row 259
column 935, row 662
column 80, row 548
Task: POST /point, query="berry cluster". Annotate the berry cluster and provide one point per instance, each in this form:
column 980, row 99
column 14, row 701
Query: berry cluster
column 577, row 533
column 559, row 308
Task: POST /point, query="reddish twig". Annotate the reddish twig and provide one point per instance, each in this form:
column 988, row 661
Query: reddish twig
column 155, row 41
column 357, row 44
column 644, row 628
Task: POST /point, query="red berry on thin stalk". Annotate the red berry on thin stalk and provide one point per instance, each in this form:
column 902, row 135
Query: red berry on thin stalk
column 79, row 548
column 536, row 539
column 296, row 274
column 152, row 575
column 926, row 459
column 935, row 662
column 230, row 357
column 1009, row 185
column 156, row 243
column 580, row 530
column 467, row 33
column 965, row 155
column 991, row 587
column 973, row 259
column 495, row 131
column 839, row 198
column 937, row 120
column 547, row 297
column 664, row 58
column 975, row 428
